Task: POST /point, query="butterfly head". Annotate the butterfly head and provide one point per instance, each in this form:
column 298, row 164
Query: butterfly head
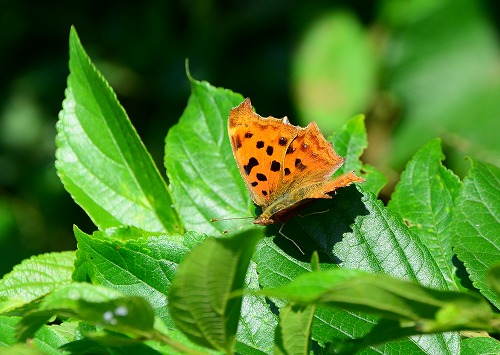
column 263, row 221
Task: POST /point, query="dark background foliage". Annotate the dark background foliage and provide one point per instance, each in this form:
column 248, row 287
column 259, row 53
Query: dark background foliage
column 250, row 47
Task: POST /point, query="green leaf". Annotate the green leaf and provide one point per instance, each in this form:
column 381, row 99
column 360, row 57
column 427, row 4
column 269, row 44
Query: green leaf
column 202, row 299
column 100, row 158
column 8, row 330
column 34, row 278
column 350, row 141
column 430, row 310
column 49, row 339
column 293, row 332
column 24, row 349
column 204, row 179
column 257, row 321
column 476, row 227
column 375, row 179
column 358, row 231
column 494, row 278
column 480, row 346
column 381, row 242
column 424, row 198
column 333, row 70
column 93, row 304
column 142, row 266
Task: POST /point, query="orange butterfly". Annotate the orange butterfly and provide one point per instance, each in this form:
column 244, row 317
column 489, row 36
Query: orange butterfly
column 283, row 166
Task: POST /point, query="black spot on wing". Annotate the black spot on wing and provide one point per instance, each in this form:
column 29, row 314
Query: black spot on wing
column 252, row 162
column 299, row 165
column 261, row 177
column 275, row 166
column 260, row 144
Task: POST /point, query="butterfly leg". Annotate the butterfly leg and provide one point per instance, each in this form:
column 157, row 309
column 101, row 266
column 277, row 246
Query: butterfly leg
column 283, row 235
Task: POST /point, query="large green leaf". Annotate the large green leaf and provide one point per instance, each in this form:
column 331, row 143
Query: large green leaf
column 358, row 230
column 101, row 160
column 132, row 261
column 34, row 278
column 424, row 198
column 203, row 176
column 201, row 300
column 476, row 225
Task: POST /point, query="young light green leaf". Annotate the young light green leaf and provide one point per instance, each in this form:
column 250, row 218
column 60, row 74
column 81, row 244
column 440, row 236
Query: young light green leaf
column 424, row 198
column 429, row 310
column 93, row 304
column 293, row 334
column 101, row 160
column 136, row 267
column 50, row 305
column 200, row 162
column 476, row 227
column 34, row 278
column 202, row 300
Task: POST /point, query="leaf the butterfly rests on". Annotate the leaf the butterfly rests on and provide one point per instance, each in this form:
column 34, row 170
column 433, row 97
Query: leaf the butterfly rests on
column 283, row 166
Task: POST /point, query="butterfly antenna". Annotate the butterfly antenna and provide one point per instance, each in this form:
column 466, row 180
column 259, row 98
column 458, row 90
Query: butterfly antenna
column 293, row 241
column 229, row 219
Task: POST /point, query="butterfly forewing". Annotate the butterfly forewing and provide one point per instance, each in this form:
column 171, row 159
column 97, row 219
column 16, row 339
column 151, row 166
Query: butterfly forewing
column 259, row 145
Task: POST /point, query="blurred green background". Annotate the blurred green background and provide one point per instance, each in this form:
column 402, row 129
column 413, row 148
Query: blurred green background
column 417, row 69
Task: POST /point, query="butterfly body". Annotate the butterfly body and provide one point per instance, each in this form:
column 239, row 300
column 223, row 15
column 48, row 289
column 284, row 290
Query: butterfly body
column 283, row 166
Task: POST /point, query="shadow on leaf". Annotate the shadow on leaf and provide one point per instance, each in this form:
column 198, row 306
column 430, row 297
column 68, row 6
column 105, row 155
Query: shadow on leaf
column 320, row 226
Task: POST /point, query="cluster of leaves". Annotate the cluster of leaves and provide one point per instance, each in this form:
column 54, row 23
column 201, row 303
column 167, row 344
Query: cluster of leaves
column 372, row 278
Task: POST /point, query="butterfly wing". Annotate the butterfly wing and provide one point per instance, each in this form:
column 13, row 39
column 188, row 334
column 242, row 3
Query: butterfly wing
column 308, row 165
column 259, row 145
